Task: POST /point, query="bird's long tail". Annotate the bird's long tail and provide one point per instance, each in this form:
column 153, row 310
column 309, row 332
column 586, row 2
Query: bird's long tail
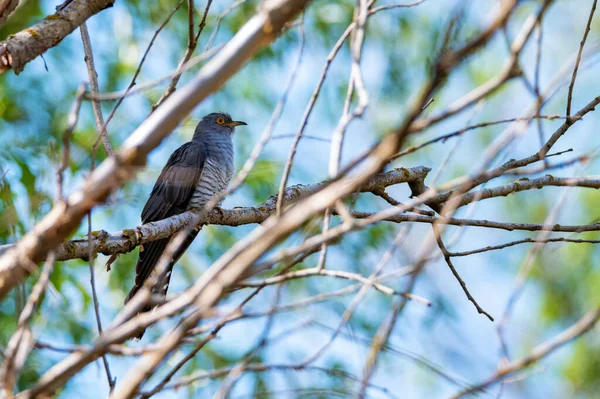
column 147, row 261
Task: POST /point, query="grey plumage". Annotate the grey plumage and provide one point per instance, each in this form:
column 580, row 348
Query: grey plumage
column 194, row 173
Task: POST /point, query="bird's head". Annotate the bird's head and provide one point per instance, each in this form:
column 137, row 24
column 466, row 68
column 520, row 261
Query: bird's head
column 217, row 122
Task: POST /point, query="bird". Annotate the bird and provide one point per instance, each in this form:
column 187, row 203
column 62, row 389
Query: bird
column 193, row 175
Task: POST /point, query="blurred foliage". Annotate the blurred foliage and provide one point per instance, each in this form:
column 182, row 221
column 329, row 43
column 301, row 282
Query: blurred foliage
column 583, row 368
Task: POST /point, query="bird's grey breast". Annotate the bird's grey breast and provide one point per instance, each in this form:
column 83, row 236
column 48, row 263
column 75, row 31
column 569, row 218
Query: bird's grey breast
column 217, row 172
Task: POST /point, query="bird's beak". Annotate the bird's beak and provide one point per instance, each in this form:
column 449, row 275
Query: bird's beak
column 237, row 123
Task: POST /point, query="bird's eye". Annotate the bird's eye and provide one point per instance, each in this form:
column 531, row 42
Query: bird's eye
column 220, row 120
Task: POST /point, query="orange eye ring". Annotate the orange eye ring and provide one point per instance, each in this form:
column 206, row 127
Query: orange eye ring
column 220, row 120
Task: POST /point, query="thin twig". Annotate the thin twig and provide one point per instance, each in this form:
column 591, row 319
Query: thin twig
column 359, row 296
column 536, row 82
column 191, row 47
column 109, row 377
column 240, row 367
column 66, row 139
column 462, row 283
column 229, row 9
column 378, row 343
column 139, row 88
column 93, row 76
column 583, row 325
column 523, row 241
column 456, row 133
column 260, row 368
column 21, row 342
column 312, row 272
column 578, row 60
column 213, row 334
column 308, row 111
column 96, row 96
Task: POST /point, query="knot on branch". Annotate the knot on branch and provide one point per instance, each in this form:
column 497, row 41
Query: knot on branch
column 5, row 58
column 133, row 237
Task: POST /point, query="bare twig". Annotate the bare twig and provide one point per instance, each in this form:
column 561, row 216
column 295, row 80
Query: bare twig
column 99, row 97
column 585, row 324
column 110, row 379
column 379, row 342
column 457, row 133
column 393, row 6
column 229, row 9
column 309, row 108
column 332, row 273
column 21, row 341
column 536, row 82
column 462, row 283
column 523, row 241
column 370, row 218
column 198, row 347
column 578, row 60
column 93, row 75
column 192, row 44
column 72, row 119
column 130, row 91
column 260, row 368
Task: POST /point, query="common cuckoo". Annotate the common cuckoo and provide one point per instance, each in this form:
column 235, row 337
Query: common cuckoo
column 194, row 173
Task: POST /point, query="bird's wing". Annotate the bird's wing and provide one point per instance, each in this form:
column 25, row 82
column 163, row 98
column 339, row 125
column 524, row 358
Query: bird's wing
column 176, row 183
column 170, row 196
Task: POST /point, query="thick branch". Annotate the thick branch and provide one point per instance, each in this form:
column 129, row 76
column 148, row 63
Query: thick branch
column 19, row 49
column 126, row 240
column 113, row 172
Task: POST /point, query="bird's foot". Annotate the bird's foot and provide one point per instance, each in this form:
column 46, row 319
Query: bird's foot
column 220, row 211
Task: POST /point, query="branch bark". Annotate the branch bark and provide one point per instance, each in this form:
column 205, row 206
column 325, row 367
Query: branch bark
column 65, row 217
column 126, row 240
column 17, row 50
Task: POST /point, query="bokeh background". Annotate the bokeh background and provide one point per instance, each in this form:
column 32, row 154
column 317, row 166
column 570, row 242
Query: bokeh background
column 400, row 45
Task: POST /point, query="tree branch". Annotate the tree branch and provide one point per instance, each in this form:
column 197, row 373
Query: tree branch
column 21, row 342
column 370, row 218
column 19, row 49
column 126, row 240
column 522, row 184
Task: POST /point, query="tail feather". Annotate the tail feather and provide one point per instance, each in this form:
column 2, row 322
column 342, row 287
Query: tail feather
column 147, row 261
